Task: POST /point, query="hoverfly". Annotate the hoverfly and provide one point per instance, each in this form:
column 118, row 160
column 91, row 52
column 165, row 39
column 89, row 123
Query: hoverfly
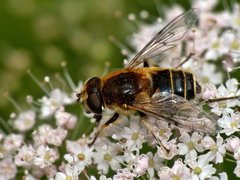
column 167, row 94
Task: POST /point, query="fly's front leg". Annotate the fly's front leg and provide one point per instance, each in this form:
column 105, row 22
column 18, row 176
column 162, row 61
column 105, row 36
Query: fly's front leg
column 111, row 120
column 98, row 118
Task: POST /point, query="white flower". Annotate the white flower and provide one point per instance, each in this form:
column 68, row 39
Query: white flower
column 161, row 130
column 45, row 156
column 106, row 157
column 71, row 172
column 80, row 155
column 124, row 174
column 230, row 123
column 237, row 154
column 12, row 142
column 134, row 134
column 56, row 99
column 154, row 162
column 56, row 136
column 217, row 149
column 208, row 74
column 232, row 143
column 190, row 145
column 64, row 119
column 25, row 121
column 201, row 169
column 237, row 169
column 178, row 171
column 140, row 164
column 214, row 46
column 167, row 149
column 231, row 41
column 205, row 5
column 40, row 136
column 102, row 177
column 235, row 21
column 224, row 107
column 209, row 91
column 8, row 169
column 230, row 90
column 25, row 156
column 50, row 171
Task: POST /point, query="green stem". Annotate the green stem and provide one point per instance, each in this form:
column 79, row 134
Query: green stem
column 14, row 103
column 230, row 160
column 38, row 83
column 78, row 127
column 68, row 77
column 228, row 153
column 166, row 163
column 6, row 126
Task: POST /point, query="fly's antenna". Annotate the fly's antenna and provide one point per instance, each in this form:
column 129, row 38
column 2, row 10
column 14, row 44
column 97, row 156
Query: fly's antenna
column 78, row 95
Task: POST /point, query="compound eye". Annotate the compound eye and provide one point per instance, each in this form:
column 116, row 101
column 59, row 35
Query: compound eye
column 94, row 103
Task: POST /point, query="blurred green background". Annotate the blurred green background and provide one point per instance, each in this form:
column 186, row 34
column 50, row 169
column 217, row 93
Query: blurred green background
column 40, row 34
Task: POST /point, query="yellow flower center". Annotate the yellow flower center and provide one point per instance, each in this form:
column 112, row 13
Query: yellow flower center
column 197, row 170
column 235, row 44
column 150, row 163
column 190, row 145
column 161, row 132
column 237, row 21
column 176, row 178
column 69, row 178
column 135, row 136
column 107, row 157
column 213, row 148
column 47, row 156
column 81, row 156
column 234, row 124
column 205, row 80
column 215, row 45
column 222, row 105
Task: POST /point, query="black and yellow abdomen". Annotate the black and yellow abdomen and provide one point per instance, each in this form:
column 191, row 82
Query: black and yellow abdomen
column 122, row 87
column 177, row 82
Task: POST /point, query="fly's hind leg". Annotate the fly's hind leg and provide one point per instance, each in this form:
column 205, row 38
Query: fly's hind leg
column 221, row 99
column 186, row 60
column 149, row 128
column 111, row 120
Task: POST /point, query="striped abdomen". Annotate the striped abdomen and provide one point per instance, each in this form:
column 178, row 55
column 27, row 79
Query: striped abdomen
column 176, row 82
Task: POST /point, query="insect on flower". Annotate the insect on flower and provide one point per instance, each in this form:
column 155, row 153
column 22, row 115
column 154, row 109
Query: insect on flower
column 167, row 94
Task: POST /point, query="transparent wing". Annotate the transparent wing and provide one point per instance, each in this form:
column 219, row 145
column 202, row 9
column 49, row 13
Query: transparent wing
column 167, row 38
column 177, row 111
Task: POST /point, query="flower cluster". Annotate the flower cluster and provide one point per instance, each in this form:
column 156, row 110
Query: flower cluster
column 32, row 146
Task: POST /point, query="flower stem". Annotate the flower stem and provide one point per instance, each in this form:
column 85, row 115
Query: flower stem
column 6, row 126
column 14, row 103
column 78, row 126
column 230, row 160
column 38, row 82
column 68, row 77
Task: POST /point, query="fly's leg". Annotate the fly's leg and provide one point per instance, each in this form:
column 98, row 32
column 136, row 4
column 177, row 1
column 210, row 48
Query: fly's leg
column 111, row 120
column 221, row 99
column 98, row 118
column 186, row 60
column 148, row 126
column 145, row 64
